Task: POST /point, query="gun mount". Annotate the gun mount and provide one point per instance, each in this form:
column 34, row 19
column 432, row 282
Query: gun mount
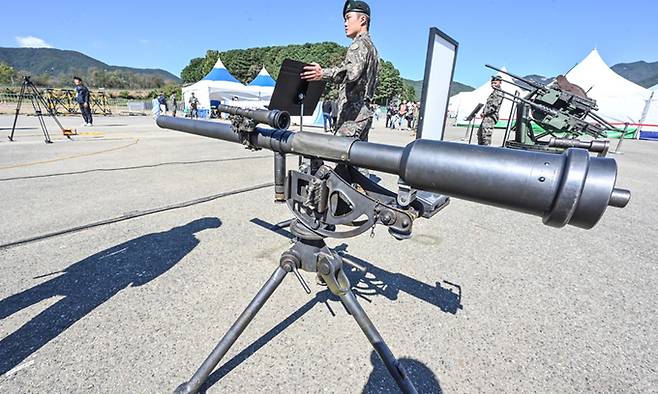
column 571, row 188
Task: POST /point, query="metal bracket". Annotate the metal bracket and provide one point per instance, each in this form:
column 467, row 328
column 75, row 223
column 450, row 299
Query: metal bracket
column 406, row 194
column 324, row 201
column 244, row 127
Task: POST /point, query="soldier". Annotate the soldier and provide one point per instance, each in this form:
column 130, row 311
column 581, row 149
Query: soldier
column 357, row 74
column 490, row 112
column 83, row 98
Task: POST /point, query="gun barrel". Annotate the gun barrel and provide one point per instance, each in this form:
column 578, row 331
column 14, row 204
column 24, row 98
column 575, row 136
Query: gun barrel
column 570, row 188
column 273, row 118
column 596, row 146
column 526, row 81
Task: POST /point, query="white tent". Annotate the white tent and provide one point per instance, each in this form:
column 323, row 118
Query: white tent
column 619, row 100
column 219, row 85
column 650, row 124
column 654, row 88
column 462, row 104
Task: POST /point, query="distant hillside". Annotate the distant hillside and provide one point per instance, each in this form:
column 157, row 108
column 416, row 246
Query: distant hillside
column 642, row 73
column 62, row 65
column 455, row 87
column 539, row 79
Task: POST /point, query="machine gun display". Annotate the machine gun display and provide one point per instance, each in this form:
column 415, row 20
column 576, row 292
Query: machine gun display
column 570, row 188
column 560, row 107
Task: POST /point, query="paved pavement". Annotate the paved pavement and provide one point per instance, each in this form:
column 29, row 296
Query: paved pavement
column 135, row 306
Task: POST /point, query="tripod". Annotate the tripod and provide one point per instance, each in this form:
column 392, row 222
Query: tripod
column 324, row 200
column 309, row 253
column 38, row 103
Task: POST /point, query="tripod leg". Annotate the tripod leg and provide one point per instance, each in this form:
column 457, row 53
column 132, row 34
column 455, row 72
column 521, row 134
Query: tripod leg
column 396, row 370
column 18, row 109
column 200, row 376
column 50, row 108
column 34, row 97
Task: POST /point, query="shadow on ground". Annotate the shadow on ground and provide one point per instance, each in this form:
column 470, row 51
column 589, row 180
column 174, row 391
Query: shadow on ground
column 380, row 380
column 90, row 282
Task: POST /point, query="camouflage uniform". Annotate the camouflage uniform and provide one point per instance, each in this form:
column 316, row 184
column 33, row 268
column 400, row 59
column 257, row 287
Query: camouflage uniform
column 489, row 117
column 357, row 75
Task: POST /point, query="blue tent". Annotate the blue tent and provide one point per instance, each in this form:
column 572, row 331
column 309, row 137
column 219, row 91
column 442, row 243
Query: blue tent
column 219, row 85
column 263, row 79
column 220, row 73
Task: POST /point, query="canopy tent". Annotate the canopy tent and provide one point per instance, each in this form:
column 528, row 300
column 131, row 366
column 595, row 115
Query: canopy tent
column 263, row 79
column 219, row 85
column 462, row 104
column 619, row 100
column 649, row 130
column 263, row 86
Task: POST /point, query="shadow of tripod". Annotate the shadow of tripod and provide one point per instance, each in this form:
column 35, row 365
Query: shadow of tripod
column 90, row 282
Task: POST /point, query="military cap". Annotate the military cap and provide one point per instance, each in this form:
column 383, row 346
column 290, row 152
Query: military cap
column 496, row 78
column 356, row 6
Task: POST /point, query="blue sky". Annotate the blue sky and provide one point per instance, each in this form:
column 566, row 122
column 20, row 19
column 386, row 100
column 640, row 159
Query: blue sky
column 528, row 37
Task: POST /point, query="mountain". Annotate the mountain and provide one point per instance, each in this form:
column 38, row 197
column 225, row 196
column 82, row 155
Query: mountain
column 539, row 79
column 62, row 65
column 642, row 73
column 455, row 87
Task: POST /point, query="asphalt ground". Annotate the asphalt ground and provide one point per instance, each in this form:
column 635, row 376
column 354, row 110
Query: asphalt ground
column 481, row 299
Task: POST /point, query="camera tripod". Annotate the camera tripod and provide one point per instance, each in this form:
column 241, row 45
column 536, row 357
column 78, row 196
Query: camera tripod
column 38, row 103
column 324, row 200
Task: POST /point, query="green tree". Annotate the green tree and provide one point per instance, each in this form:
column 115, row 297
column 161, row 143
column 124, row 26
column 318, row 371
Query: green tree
column 408, row 93
column 390, row 83
column 7, row 74
column 192, row 72
column 244, row 64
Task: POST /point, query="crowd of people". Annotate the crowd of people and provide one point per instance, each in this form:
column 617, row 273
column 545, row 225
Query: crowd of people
column 403, row 116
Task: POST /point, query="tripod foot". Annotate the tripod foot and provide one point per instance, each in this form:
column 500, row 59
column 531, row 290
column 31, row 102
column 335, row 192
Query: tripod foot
column 184, row 388
column 201, row 375
column 394, row 368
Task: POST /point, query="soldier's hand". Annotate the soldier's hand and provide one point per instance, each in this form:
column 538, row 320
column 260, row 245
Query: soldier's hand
column 312, row 72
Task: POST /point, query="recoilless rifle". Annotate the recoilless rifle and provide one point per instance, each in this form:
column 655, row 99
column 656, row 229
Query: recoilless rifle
column 569, row 188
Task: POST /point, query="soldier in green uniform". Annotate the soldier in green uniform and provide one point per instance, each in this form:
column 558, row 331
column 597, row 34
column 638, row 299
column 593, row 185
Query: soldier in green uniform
column 357, row 74
column 490, row 112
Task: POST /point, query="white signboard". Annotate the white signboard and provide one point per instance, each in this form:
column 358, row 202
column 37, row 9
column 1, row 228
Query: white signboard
column 439, row 69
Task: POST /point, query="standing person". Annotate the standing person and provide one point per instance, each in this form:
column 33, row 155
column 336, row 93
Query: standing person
column 326, row 115
column 162, row 101
column 174, row 104
column 390, row 111
column 155, row 107
column 356, row 75
column 410, row 114
column 194, row 106
column 490, row 112
column 376, row 111
column 83, row 98
column 334, row 112
column 402, row 113
column 416, row 115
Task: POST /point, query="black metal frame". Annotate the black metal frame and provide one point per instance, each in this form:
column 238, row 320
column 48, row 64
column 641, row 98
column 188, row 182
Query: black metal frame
column 38, row 104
